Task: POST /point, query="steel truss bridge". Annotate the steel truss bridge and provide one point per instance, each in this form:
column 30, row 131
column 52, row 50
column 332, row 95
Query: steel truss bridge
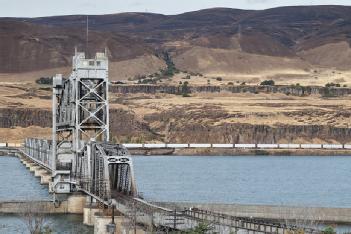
column 80, row 157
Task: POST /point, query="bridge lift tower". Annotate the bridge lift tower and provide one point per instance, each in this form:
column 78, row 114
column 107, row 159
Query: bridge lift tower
column 82, row 157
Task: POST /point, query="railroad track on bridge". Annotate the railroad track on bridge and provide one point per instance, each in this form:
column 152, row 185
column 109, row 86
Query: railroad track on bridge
column 191, row 217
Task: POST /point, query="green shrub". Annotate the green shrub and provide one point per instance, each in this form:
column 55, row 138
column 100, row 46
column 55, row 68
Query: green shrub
column 171, row 68
column 268, row 82
column 184, row 89
column 329, row 230
column 44, row 81
column 202, row 228
column 329, row 85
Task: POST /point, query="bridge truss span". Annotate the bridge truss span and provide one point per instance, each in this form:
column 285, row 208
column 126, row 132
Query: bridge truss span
column 106, row 171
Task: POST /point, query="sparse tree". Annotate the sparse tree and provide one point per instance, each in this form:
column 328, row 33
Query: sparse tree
column 34, row 219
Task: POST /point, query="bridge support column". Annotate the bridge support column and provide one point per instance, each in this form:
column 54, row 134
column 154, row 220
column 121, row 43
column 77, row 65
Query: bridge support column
column 33, row 168
column 45, row 178
column 76, row 203
column 27, row 163
column 89, row 214
column 39, row 172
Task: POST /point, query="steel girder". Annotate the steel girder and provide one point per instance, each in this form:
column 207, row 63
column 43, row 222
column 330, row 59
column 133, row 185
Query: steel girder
column 106, row 170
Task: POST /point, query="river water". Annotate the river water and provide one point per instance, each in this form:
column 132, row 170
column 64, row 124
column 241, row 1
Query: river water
column 18, row 183
column 301, row 181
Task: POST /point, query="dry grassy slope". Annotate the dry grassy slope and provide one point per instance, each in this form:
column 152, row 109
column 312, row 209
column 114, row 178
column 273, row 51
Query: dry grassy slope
column 330, row 55
column 221, row 61
column 143, row 65
column 122, row 70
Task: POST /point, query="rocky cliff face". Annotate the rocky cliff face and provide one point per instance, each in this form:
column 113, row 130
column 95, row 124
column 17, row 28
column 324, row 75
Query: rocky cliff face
column 204, row 126
column 124, row 125
column 248, row 133
column 288, row 90
column 178, row 128
column 24, row 117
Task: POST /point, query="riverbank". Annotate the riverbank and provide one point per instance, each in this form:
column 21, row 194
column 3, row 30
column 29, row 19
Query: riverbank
column 226, row 152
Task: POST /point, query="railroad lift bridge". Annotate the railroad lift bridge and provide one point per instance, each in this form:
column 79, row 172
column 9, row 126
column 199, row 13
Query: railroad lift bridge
column 80, row 158
column 79, row 154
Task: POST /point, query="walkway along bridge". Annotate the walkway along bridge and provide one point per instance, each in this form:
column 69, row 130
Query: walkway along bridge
column 80, row 158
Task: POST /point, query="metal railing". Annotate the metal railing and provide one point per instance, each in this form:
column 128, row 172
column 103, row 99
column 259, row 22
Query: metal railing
column 250, row 224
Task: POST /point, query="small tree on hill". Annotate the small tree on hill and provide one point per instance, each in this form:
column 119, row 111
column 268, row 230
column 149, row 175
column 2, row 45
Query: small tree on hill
column 185, row 90
column 268, row 82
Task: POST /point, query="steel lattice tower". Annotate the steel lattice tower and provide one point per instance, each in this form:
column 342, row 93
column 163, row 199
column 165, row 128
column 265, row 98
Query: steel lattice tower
column 80, row 112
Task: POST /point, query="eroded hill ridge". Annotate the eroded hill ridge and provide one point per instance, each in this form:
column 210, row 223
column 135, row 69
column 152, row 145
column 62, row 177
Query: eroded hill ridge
column 212, row 41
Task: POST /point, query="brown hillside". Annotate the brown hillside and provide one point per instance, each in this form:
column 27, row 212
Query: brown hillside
column 28, row 47
column 314, row 35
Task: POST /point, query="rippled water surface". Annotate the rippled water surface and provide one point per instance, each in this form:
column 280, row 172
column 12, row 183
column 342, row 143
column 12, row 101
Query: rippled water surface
column 18, row 183
column 307, row 181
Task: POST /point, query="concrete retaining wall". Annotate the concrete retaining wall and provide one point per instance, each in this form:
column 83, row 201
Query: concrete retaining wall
column 74, row 205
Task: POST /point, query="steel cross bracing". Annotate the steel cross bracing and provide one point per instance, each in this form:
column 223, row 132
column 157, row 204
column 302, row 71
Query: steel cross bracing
column 79, row 154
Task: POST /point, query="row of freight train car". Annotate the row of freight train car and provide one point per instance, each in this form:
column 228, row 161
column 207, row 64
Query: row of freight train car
column 238, row 146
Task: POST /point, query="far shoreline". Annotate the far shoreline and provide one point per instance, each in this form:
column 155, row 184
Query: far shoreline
column 240, row 152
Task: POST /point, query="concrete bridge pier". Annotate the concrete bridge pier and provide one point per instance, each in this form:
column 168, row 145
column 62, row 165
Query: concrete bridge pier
column 89, row 214
column 33, row 168
column 27, row 163
column 45, row 178
column 76, row 203
column 39, row 172
column 93, row 215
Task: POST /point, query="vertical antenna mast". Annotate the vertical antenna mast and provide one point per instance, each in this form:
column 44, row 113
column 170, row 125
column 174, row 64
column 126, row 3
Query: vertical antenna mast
column 87, row 37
